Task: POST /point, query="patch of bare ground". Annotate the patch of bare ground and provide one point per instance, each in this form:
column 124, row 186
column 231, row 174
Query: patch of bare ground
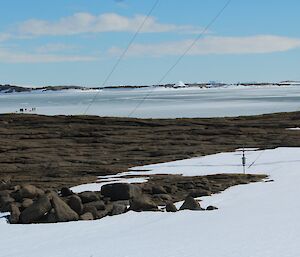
column 56, row 151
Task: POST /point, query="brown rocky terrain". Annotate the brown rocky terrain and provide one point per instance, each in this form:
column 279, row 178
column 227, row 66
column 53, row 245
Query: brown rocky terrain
column 57, row 151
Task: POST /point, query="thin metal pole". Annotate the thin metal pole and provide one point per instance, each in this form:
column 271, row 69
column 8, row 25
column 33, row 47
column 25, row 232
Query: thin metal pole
column 244, row 161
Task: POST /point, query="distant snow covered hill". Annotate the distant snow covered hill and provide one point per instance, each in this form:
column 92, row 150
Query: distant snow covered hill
column 254, row 220
column 19, row 89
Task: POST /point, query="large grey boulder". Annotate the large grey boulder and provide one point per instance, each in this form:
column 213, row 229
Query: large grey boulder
column 190, row 204
column 63, row 211
column 27, row 202
column 142, row 203
column 36, row 211
column 120, row 191
column 76, row 204
column 30, row 191
column 99, row 205
column 87, row 197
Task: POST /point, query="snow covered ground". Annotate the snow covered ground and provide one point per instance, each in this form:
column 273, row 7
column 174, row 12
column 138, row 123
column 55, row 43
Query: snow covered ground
column 255, row 220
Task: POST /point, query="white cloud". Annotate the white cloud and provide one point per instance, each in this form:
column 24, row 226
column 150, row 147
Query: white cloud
column 55, row 47
column 9, row 56
column 4, row 37
column 109, row 22
column 258, row 44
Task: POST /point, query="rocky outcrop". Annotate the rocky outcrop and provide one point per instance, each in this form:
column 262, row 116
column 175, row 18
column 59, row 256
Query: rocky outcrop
column 30, row 204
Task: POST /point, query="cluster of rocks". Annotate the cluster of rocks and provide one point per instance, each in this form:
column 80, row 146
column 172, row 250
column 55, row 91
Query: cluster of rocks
column 29, row 204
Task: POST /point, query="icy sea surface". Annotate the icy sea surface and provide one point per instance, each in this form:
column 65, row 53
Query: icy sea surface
column 158, row 103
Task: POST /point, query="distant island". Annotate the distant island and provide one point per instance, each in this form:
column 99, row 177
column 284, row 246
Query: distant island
column 7, row 88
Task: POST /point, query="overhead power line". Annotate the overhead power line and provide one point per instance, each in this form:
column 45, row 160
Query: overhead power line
column 123, row 54
column 183, row 54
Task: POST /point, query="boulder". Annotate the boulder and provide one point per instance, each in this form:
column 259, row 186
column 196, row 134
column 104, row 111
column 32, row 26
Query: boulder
column 5, row 202
column 36, row 211
column 120, row 191
column 99, row 205
column 107, row 211
column 65, row 191
column 190, row 204
column 92, row 210
column 63, row 211
column 50, row 217
column 157, row 189
column 76, row 204
column 118, row 209
column 87, row 216
column 170, row 207
column 14, row 214
column 211, row 208
column 142, row 203
column 30, row 191
column 87, row 197
column 27, row 202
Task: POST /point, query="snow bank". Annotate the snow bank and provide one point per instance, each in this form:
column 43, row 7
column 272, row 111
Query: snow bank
column 255, row 220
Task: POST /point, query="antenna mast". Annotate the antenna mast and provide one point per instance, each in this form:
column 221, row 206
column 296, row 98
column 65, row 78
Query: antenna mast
column 244, row 161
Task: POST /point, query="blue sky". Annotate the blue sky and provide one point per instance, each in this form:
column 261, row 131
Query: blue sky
column 77, row 42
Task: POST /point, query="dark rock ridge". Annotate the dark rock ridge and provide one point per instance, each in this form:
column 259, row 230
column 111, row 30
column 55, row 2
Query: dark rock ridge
column 29, row 204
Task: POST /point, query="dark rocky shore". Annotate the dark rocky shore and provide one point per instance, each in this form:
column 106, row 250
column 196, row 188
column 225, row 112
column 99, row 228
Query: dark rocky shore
column 63, row 151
